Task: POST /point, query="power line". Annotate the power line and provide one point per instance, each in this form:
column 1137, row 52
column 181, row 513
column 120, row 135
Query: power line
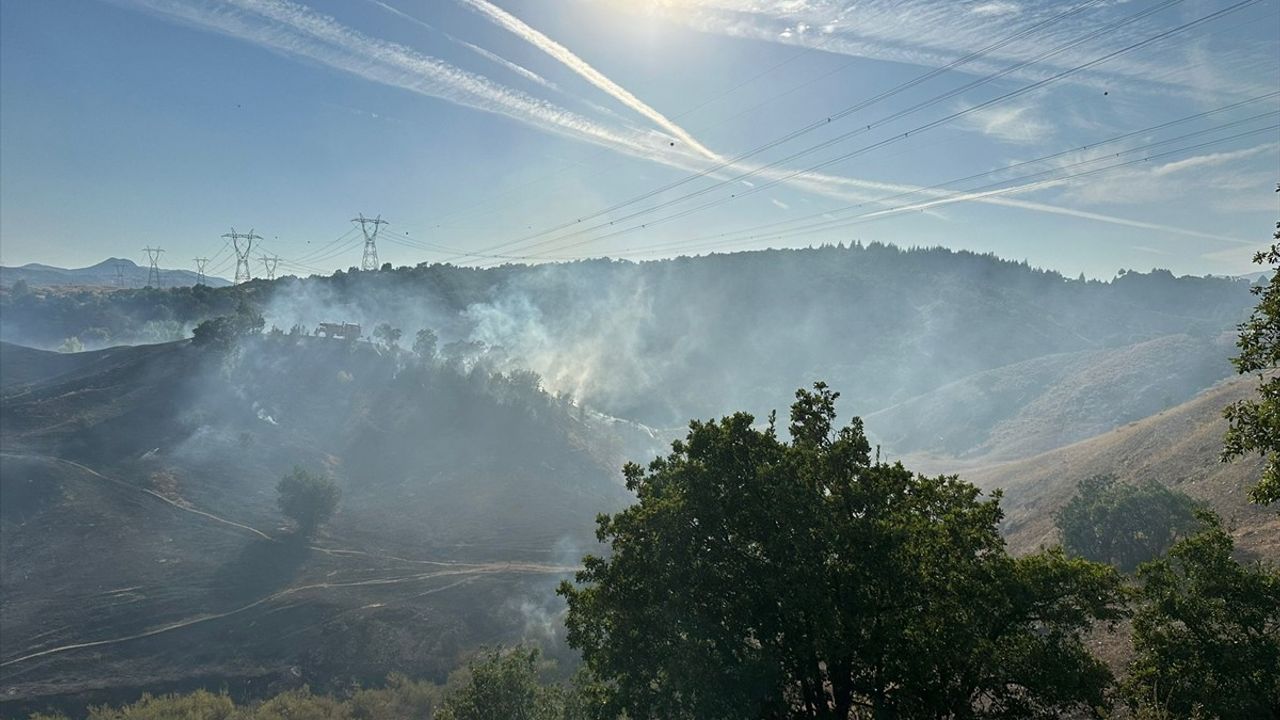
column 986, row 190
column 369, row 261
column 827, row 120
column 243, row 272
column 269, row 263
column 1007, row 168
column 153, row 271
column 882, row 143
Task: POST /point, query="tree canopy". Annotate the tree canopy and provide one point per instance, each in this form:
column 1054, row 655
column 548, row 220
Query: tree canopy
column 1206, row 633
column 504, row 684
column 221, row 332
column 760, row 578
column 1255, row 423
column 1124, row 524
column 307, row 498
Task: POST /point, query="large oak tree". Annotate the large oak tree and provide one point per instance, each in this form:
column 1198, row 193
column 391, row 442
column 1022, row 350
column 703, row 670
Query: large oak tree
column 761, row 578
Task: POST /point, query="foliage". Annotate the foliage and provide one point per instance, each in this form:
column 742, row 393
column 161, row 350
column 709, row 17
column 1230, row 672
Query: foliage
column 769, row 579
column 1207, row 632
column 308, row 499
column 399, row 699
column 424, row 344
column 1124, row 524
column 390, row 336
column 301, row 704
column 199, row 705
column 1255, row 424
column 503, row 684
column 223, row 331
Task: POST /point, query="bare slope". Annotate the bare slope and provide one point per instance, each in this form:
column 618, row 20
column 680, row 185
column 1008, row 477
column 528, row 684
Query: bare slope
column 1178, row 447
column 140, row 545
column 1037, row 405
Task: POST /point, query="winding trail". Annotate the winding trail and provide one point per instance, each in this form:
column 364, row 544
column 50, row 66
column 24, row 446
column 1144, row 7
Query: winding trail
column 145, row 491
column 468, row 571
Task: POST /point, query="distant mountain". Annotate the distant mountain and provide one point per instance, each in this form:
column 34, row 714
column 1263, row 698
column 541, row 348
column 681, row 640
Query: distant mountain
column 107, row 273
column 1256, row 277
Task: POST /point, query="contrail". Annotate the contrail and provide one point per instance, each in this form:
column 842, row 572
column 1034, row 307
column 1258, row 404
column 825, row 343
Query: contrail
column 513, row 67
column 487, row 54
column 296, row 30
column 522, row 30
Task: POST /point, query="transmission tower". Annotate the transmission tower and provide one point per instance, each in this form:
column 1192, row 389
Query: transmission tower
column 370, row 259
column 153, row 272
column 269, row 263
column 119, row 275
column 242, row 249
column 200, row 263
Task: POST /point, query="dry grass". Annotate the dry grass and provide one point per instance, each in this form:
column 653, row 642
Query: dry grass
column 1178, row 448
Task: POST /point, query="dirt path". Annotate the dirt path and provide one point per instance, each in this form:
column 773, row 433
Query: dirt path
column 152, row 493
column 468, row 574
column 468, row 571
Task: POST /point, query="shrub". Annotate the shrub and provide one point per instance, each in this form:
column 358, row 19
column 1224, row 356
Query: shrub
column 307, row 499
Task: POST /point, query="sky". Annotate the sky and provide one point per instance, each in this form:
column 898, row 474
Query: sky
column 1085, row 137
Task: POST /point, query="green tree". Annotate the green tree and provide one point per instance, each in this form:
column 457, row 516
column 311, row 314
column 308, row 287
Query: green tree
column 1206, row 634
column 223, row 331
column 503, row 684
column 307, row 499
column 1255, row 423
column 424, row 344
column 390, row 336
column 201, row 704
column 299, row 704
column 1124, row 524
column 758, row 578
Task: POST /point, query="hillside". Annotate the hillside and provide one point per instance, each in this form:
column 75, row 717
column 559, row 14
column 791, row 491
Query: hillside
column 1027, row 408
column 139, row 479
column 1178, row 447
column 660, row 342
column 106, row 274
column 139, row 516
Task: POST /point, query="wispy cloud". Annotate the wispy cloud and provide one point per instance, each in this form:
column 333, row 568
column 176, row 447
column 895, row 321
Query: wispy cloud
column 295, row 30
column 931, row 34
column 779, row 204
column 999, row 7
column 1209, row 173
column 519, row 28
column 1019, row 124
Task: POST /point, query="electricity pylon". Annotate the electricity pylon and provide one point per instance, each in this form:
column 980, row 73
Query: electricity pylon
column 269, row 263
column 153, row 272
column 243, row 273
column 119, row 275
column 200, row 263
column 370, row 259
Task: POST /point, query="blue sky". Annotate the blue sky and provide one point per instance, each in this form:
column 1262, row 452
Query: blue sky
column 499, row 130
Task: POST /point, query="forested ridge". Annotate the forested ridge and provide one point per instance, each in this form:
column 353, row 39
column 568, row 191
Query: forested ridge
column 646, row 341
